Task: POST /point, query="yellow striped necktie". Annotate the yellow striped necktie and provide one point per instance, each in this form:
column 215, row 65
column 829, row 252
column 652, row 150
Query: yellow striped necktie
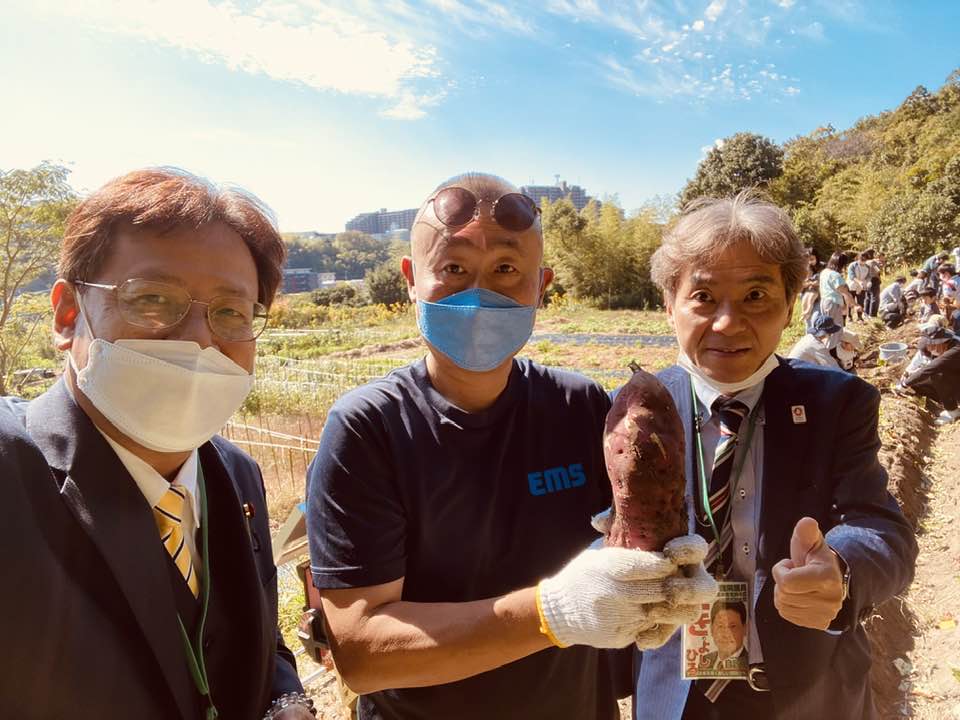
column 168, row 514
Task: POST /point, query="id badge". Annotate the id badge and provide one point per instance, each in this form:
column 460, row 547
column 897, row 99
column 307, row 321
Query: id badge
column 715, row 645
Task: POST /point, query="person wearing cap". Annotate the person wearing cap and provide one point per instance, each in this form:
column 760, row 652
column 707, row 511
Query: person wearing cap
column 449, row 504
column 814, row 346
column 848, row 349
column 934, row 371
column 928, row 305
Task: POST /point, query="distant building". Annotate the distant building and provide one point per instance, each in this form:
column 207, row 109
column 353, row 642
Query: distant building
column 383, row 221
column 558, row 191
column 297, row 280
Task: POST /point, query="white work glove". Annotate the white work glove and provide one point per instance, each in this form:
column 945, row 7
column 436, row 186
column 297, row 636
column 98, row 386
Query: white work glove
column 608, row 597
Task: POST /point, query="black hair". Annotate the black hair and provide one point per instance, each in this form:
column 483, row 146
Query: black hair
column 736, row 605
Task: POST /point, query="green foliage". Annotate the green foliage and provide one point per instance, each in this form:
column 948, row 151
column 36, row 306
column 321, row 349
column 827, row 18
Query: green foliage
column 601, row 256
column 339, row 294
column 744, row 160
column 386, row 285
column 34, row 205
column 350, row 254
column 892, row 181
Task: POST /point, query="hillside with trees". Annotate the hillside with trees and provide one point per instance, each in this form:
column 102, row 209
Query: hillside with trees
column 891, row 182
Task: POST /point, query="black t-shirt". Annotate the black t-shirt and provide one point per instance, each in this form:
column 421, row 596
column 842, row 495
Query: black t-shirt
column 466, row 506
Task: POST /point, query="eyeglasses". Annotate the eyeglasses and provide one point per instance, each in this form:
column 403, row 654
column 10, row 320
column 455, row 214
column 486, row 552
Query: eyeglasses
column 159, row 306
column 456, row 206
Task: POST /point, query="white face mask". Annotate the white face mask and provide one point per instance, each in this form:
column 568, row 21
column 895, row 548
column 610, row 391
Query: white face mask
column 769, row 365
column 167, row 395
column 846, row 357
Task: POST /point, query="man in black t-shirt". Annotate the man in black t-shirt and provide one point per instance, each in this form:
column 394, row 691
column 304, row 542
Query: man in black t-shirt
column 443, row 494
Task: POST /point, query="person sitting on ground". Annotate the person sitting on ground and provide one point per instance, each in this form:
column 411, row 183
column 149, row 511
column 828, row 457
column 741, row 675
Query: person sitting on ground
column 912, row 291
column 813, row 347
column 929, row 307
column 949, row 281
column 938, row 376
column 848, row 350
column 893, row 304
column 923, row 355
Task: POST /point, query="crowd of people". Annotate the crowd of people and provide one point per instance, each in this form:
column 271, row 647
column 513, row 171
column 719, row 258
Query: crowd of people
column 847, row 289
column 449, row 505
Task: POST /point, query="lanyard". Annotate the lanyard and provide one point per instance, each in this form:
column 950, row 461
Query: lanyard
column 734, row 475
column 194, row 650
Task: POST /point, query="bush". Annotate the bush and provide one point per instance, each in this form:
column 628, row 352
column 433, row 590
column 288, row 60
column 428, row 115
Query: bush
column 386, row 285
column 339, row 294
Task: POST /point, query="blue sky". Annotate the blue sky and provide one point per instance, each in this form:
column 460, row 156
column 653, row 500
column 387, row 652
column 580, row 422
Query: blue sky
column 327, row 108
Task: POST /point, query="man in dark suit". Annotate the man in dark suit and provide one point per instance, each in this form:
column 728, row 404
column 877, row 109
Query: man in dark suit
column 138, row 578
column 783, row 476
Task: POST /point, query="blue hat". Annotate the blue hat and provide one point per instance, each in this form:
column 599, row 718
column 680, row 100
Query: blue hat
column 824, row 325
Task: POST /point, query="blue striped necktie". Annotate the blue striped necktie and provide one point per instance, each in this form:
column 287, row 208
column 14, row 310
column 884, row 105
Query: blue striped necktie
column 731, row 413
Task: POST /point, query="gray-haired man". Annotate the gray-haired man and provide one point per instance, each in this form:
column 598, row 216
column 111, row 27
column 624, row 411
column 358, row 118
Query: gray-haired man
column 799, row 512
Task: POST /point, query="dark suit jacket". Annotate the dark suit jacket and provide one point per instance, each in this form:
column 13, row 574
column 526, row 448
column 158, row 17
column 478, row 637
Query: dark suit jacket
column 825, row 468
column 88, row 609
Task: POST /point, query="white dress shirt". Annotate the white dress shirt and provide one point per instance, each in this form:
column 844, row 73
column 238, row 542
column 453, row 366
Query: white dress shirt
column 745, row 498
column 153, row 486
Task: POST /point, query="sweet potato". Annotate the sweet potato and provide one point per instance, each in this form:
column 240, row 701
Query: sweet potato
column 644, row 452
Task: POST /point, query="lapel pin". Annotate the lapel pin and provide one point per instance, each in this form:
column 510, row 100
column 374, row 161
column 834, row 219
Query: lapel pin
column 249, row 510
column 799, row 414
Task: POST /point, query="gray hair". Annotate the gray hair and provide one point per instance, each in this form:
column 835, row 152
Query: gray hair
column 709, row 226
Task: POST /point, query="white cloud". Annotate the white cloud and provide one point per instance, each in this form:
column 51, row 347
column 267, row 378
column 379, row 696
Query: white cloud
column 315, row 43
column 791, row 90
column 786, row 4
column 715, row 10
column 698, row 25
column 813, row 31
column 483, row 16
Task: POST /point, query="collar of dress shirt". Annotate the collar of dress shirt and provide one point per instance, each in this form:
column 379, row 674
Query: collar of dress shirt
column 707, row 395
column 152, row 484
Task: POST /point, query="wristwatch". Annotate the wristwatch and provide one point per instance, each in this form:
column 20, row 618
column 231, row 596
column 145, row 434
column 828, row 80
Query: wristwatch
column 845, row 570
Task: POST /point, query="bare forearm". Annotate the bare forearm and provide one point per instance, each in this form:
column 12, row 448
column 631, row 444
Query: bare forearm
column 406, row 644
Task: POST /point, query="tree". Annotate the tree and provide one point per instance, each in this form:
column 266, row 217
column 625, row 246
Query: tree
column 599, row 255
column 744, row 160
column 34, row 205
column 386, row 285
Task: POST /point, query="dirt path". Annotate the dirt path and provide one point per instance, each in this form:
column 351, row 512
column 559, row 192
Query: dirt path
column 932, row 677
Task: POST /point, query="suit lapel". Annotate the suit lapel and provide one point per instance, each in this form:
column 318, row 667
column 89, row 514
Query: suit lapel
column 785, row 445
column 110, row 508
column 237, row 598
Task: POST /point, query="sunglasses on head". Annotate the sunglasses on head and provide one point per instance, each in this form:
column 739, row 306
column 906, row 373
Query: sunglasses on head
column 456, row 206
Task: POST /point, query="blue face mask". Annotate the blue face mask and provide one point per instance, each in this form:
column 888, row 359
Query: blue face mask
column 477, row 329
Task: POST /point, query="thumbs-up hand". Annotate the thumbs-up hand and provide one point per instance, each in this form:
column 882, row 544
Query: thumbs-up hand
column 809, row 585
